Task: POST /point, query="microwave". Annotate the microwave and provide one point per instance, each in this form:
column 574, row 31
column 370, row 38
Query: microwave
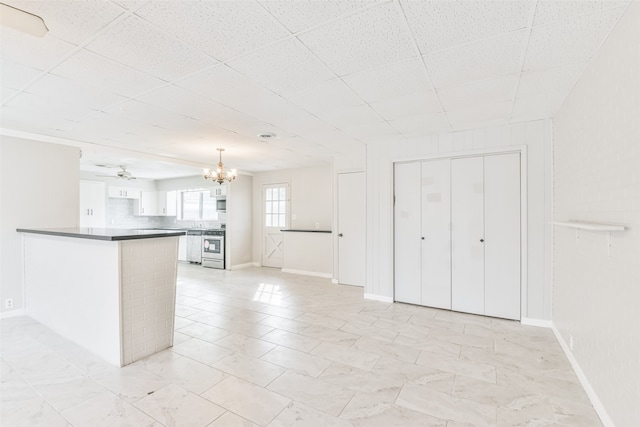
column 221, row 204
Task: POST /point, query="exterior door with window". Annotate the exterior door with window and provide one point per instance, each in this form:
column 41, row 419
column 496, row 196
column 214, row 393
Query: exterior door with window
column 275, row 217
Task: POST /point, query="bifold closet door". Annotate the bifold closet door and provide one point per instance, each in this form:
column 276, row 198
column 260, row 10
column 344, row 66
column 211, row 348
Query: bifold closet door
column 502, row 231
column 467, row 235
column 436, row 236
column 407, row 259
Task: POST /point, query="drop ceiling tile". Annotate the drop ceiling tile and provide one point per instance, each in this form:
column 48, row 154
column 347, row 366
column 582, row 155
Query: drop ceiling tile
column 572, row 40
column 72, row 21
column 553, row 10
column 40, row 53
column 223, row 29
column 6, row 93
column 535, row 107
column 33, row 121
column 368, row 39
column 371, row 131
column 75, row 93
column 421, row 124
column 301, row 15
column 333, row 94
column 15, row 76
column 140, row 45
column 438, row 25
column 477, row 61
column 390, row 81
column 470, row 116
column 92, row 69
column 283, row 67
column 479, row 92
column 353, row 116
column 226, row 86
column 146, row 113
column 35, row 106
column 422, row 102
column 553, row 81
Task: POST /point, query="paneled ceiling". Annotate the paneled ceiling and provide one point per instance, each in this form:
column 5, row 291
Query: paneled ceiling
column 138, row 82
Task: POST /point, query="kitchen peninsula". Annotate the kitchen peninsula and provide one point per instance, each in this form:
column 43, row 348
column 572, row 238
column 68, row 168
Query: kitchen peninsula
column 111, row 291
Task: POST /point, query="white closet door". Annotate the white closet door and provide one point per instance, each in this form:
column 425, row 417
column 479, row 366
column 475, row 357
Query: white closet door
column 467, row 235
column 352, row 232
column 436, row 222
column 407, row 233
column 502, row 231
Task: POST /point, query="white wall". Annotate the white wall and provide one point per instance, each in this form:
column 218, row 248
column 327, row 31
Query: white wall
column 310, row 199
column 597, row 179
column 239, row 221
column 39, row 188
column 535, row 135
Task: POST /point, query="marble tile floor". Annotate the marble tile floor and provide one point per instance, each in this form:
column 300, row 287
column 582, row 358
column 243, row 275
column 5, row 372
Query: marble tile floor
column 257, row 347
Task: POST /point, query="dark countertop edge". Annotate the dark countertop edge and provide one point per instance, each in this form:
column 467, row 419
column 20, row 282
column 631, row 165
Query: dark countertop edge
column 113, row 238
column 307, row 231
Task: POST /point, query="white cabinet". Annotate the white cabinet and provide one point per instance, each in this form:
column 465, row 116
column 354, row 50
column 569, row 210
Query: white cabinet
column 92, row 204
column 167, row 203
column 457, row 234
column 148, row 205
column 182, row 248
column 221, row 190
column 124, row 193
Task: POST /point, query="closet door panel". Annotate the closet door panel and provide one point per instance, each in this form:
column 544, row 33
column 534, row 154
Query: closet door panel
column 502, row 231
column 436, row 224
column 407, row 208
column 467, row 235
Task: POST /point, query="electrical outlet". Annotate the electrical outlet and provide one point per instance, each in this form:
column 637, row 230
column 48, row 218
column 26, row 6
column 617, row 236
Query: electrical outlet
column 317, row 225
column 8, row 303
column 571, row 342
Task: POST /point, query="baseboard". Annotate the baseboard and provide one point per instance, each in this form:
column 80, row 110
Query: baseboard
column 256, row 264
column 375, row 297
column 586, row 385
column 13, row 313
column 308, row 273
column 536, row 322
column 241, row 266
column 335, row 282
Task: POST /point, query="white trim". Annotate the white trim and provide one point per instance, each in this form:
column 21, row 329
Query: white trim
column 241, row 266
column 375, row 297
column 462, row 154
column 308, row 273
column 335, row 281
column 593, row 397
column 256, row 264
column 13, row 313
column 536, row 322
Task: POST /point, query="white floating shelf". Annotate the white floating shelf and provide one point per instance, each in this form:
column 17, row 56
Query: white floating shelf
column 590, row 226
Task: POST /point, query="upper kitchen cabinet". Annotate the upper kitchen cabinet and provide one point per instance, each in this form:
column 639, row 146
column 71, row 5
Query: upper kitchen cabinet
column 167, row 203
column 219, row 191
column 148, row 205
column 92, row 204
column 124, row 193
column 157, row 203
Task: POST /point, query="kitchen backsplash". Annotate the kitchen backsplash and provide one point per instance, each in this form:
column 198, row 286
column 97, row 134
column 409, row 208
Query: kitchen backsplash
column 120, row 215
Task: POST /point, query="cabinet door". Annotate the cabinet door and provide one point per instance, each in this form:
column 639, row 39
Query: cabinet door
column 148, row 203
column 161, row 209
column 436, row 235
column 85, row 204
column 502, row 231
column 467, row 235
column 116, row 192
column 171, row 203
column 92, row 204
column 407, row 258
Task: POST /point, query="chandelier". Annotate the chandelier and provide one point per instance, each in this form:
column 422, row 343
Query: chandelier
column 219, row 175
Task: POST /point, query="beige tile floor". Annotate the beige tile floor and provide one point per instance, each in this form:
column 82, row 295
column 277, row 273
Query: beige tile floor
column 259, row 347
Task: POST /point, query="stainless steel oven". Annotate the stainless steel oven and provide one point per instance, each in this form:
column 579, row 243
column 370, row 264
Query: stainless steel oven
column 213, row 248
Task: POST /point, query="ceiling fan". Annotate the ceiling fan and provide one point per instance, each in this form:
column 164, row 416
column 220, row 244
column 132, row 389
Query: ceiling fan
column 123, row 173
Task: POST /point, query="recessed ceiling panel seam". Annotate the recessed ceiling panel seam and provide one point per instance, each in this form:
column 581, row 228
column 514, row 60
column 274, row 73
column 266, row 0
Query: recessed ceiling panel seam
column 523, row 57
column 422, row 62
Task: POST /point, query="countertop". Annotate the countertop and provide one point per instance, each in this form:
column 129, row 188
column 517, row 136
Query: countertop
column 109, row 234
column 294, row 230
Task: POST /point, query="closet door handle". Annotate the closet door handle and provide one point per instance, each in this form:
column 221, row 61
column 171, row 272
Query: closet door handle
column 481, row 240
column 422, row 238
column 340, row 235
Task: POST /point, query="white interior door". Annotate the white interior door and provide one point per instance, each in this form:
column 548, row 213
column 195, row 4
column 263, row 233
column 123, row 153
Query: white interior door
column 467, row 235
column 436, row 234
column 275, row 217
column 407, row 258
column 352, row 228
column 502, row 231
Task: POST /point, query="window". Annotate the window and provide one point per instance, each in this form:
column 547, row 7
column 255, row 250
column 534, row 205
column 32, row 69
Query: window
column 197, row 205
column 275, row 206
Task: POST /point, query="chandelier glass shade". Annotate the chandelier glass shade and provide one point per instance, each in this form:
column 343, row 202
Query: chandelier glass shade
column 218, row 175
